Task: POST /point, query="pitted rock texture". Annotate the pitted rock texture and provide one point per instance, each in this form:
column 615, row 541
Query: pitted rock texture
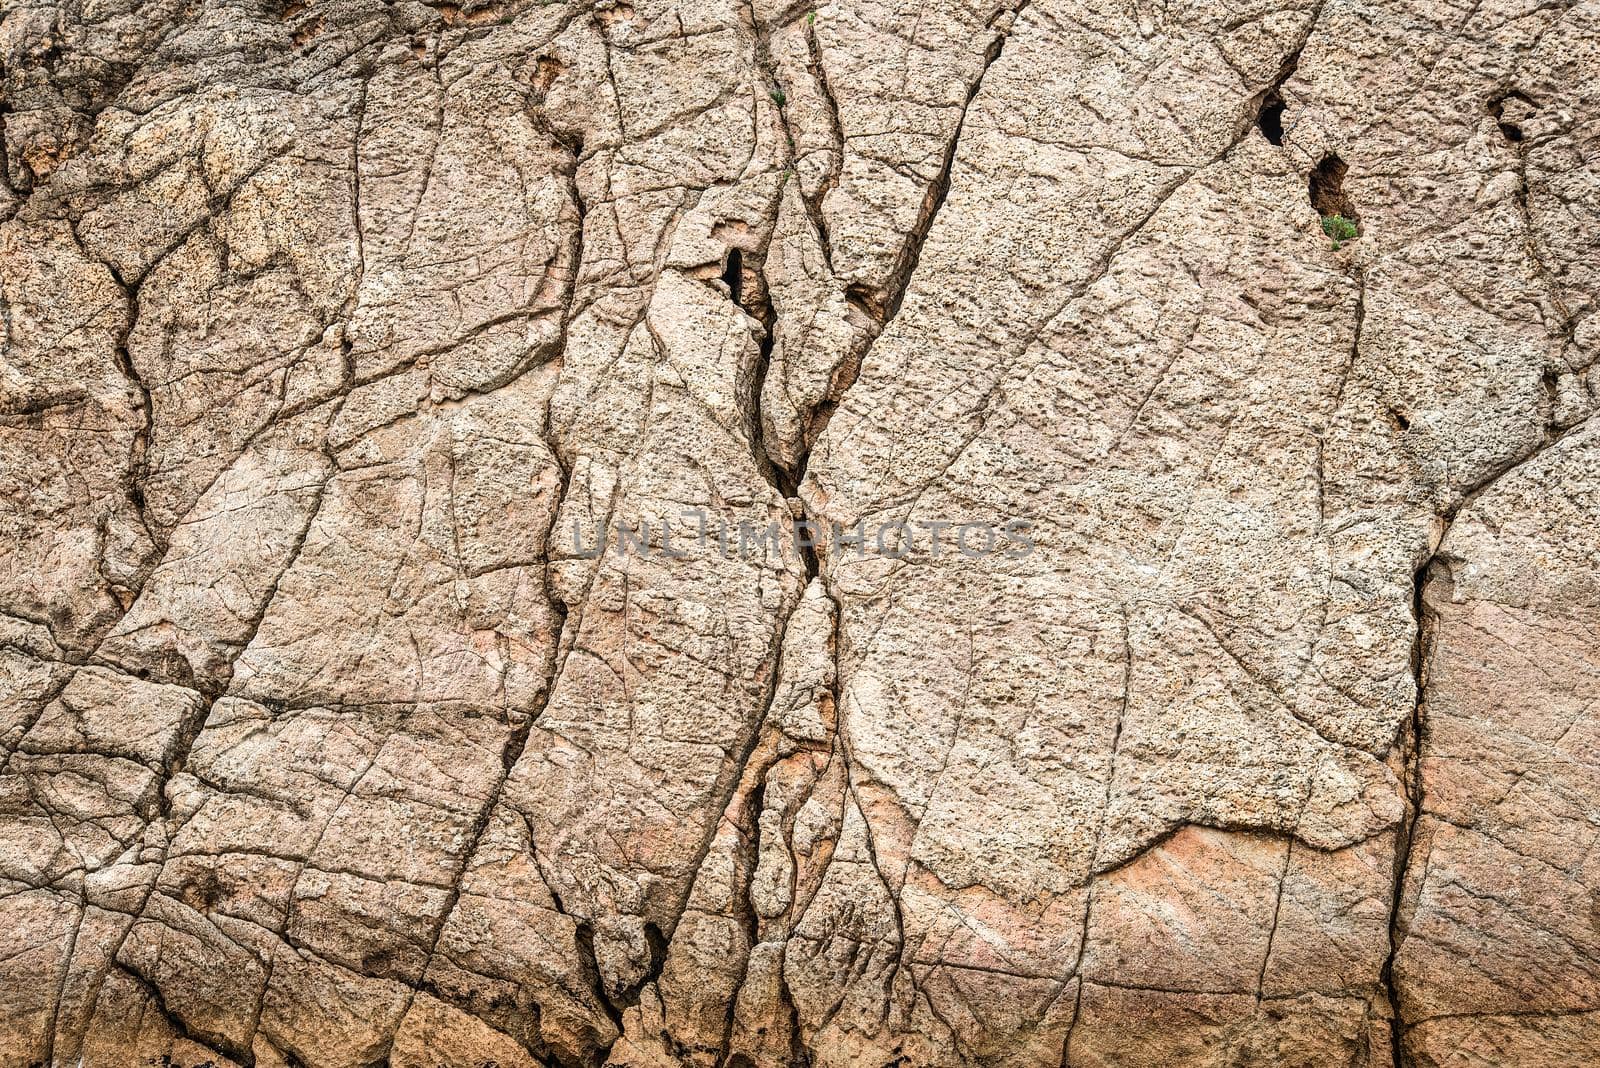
column 346, row 341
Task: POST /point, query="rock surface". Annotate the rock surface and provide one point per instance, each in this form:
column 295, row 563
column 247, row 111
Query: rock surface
column 702, row 534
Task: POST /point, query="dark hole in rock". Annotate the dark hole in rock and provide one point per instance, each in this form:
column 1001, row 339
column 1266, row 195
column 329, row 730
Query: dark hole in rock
column 1509, row 112
column 733, row 275
column 1270, row 118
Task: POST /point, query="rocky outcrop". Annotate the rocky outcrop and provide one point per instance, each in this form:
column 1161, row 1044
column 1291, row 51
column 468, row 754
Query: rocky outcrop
column 761, row 535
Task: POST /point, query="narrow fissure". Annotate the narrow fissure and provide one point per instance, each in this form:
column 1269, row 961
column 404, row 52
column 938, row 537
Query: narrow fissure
column 517, row 743
column 214, row 1042
column 933, row 202
column 138, row 458
column 785, row 479
column 881, row 308
column 836, row 129
column 589, row 965
column 878, row 306
column 1510, row 111
column 747, row 287
column 1412, row 777
column 749, row 825
column 1436, row 569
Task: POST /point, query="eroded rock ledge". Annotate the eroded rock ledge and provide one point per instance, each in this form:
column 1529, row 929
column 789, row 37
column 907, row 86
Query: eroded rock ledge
column 336, row 332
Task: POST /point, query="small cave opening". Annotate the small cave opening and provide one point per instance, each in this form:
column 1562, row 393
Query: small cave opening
column 1326, row 186
column 1269, row 120
column 733, row 276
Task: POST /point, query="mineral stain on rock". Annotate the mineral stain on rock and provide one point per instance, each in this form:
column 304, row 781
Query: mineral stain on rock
column 334, row 331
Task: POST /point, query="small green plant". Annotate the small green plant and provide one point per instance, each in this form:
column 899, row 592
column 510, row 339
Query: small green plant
column 779, row 98
column 1339, row 229
column 811, row 19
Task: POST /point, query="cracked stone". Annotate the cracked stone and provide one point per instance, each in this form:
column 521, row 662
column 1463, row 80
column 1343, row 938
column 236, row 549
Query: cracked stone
column 341, row 724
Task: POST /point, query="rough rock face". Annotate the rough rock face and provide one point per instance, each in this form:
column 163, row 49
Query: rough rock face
column 702, row 534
